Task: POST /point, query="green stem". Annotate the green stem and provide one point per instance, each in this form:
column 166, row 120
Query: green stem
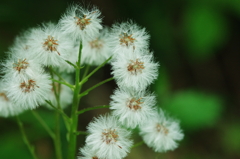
column 74, row 116
column 60, row 77
column 60, row 111
column 95, row 70
column 86, row 71
column 43, row 123
column 25, row 139
column 137, row 144
column 92, row 108
column 95, row 86
column 82, row 133
column 57, row 139
column 67, row 84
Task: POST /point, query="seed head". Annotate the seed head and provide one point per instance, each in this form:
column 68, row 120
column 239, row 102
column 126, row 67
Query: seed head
column 109, row 136
column 134, row 104
column 126, row 39
column 29, row 86
column 135, row 67
column 162, row 128
column 50, row 44
column 21, row 64
column 96, row 44
column 82, row 22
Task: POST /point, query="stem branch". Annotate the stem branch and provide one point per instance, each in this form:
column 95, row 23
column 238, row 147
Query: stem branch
column 95, row 86
column 25, row 139
column 92, row 108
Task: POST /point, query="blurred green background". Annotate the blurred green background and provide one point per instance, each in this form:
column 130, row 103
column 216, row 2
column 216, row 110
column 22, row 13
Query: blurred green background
column 198, row 46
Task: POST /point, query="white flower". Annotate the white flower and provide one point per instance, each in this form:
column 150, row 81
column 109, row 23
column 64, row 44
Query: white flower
column 48, row 45
column 7, row 108
column 87, row 153
column 96, row 51
column 107, row 138
column 80, row 22
column 132, row 107
column 135, row 71
column 161, row 133
column 19, row 65
column 72, row 57
column 30, row 93
column 128, row 37
column 21, row 41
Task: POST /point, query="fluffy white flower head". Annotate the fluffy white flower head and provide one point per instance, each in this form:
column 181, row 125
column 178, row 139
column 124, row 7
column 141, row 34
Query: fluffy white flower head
column 48, row 45
column 87, row 153
column 161, row 133
column 30, row 93
column 132, row 107
column 80, row 22
column 7, row 108
column 19, row 65
column 97, row 50
column 21, row 41
column 128, row 37
column 107, row 138
column 72, row 57
column 135, row 71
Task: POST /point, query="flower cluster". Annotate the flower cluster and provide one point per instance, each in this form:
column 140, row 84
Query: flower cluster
column 132, row 105
column 79, row 37
column 26, row 84
column 134, row 70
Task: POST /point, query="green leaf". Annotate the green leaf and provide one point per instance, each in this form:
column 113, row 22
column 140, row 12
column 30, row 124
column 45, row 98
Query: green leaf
column 195, row 109
column 205, row 29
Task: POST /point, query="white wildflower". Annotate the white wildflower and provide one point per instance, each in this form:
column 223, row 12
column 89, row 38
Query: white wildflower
column 87, row 153
column 132, row 107
column 30, row 93
column 7, row 108
column 96, row 51
column 19, row 65
column 135, row 71
column 161, row 133
column 128, row 37
column 72, row 57
column 81, row 22
column 107, row 138
column 48, row 45
column 21, row 41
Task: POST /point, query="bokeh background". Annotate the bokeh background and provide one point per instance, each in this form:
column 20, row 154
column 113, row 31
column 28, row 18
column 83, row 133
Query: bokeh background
column 198, row 46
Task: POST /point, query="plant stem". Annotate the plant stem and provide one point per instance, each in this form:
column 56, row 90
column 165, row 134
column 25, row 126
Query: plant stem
column 43, row 123
column 95, row 70
column 74, row 116
column 92, row 108
column 86, row 71
column 62, row 79
column 25, row 139
column 57, row 139
column 95, row 86
column 60, row 111
column 82, row 133
column 67, row 84
column 137, row 144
